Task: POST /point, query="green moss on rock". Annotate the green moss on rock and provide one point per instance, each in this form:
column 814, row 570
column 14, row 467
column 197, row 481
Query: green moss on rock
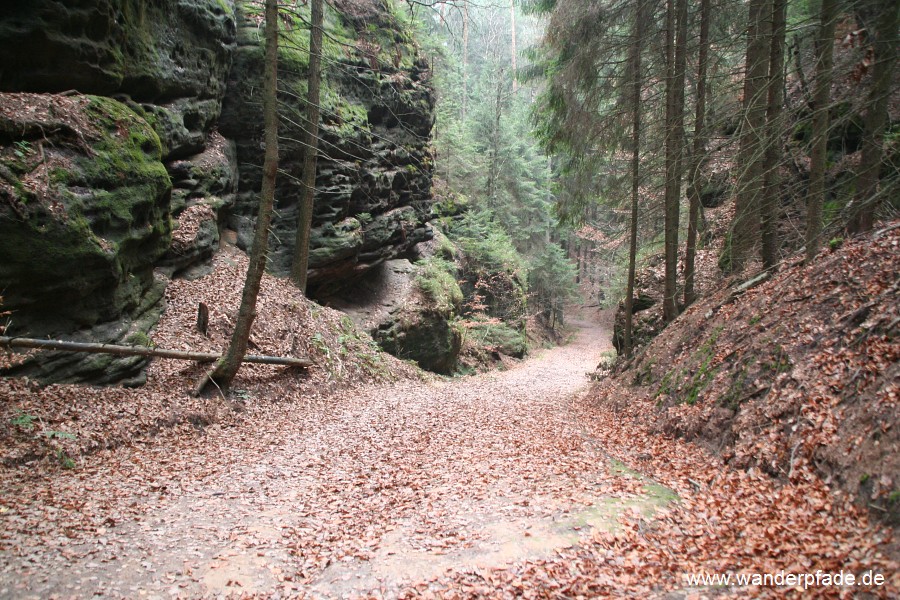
column 83, row 225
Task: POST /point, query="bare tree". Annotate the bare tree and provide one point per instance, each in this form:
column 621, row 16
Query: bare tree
column 300, row 265
column 821, row 101
column 227, row 367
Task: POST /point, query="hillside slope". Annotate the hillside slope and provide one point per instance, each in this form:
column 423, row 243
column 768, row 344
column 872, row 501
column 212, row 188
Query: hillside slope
column 84, row 419
column 795, row 376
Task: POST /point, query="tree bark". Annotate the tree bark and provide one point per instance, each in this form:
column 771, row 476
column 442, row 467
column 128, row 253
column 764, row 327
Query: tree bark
column 513, row 51
column 745, row 227
column 638, row 36
column 465, row 58
column 300, row 265
column 885, row 45
column 116, row 350
column 676, row 56
column 821, row 103
column 227, row 366
column 697, row 155
column 774, row 132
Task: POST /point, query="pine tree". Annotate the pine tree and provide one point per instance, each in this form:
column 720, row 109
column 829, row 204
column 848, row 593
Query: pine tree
column 774, row 131
column 885, row 46
column 821, row 105
column 697, row 154
column 676, row 52
column 637, row 40
column 745, row 228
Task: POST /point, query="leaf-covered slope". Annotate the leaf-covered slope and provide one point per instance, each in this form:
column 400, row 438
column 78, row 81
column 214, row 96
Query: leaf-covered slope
column 799, row 371
column 286, row 325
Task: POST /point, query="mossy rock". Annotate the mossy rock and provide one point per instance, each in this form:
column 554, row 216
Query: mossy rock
column 374, row 164
column 85, row 212
column 331, row 243
column 499, row 337
column 152, row 51
column 426, row 337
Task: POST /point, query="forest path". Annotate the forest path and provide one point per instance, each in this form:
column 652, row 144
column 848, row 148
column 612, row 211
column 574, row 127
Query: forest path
column 376, row 489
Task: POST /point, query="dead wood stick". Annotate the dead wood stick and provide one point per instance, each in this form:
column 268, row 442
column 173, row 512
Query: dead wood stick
column 93, row 348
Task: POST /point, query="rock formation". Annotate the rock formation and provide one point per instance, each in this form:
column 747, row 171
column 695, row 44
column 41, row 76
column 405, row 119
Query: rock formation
column 374, row 169
column 130, row 135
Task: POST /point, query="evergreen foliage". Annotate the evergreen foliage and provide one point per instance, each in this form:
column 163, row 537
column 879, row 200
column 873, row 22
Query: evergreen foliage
column 487, row 154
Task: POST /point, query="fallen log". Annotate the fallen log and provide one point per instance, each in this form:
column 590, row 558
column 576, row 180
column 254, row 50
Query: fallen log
column 92, row 348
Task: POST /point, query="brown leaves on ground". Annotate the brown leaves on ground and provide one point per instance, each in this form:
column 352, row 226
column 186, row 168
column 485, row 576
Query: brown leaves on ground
column 309, row 485
column 799, row 371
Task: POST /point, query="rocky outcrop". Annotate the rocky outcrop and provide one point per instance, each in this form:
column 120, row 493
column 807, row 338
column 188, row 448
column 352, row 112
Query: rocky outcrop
column 88, row 205
column 170, row 56
column 374, row 168
column 84, row 215
column 125, row 154
column 388, row 302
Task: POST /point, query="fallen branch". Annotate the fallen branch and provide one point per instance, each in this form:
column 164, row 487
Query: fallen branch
column 92, row 348
column 748, row 285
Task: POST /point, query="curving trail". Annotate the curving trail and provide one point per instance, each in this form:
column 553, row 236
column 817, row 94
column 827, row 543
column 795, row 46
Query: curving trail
column 375, row 490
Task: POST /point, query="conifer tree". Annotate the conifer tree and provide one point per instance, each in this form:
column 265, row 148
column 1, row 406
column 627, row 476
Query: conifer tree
column 821, row 107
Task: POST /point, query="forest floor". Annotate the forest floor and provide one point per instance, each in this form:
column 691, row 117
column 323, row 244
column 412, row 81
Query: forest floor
column 498, row 485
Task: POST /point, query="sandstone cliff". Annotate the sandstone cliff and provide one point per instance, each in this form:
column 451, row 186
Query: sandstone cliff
column 130, row 139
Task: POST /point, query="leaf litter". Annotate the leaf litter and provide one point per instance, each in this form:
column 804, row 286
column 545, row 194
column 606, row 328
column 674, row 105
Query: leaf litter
column 363, row 478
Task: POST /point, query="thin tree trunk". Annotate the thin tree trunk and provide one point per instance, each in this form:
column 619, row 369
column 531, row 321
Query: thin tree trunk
column 465, row 58
column 885, row 45
column 798, row 68
column 227, row 367
column 494, row 155
column 636, row 43
column 774, row 132
column 697, row 155
column 116, row 350
column 821, row 100
column 300, row 265
column 513, row 52
column 676, row 21
column 745, row 228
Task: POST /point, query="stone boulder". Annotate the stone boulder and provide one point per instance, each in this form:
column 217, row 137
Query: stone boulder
column 84, row 215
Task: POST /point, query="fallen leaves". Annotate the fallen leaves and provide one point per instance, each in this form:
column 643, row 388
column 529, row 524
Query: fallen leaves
column 493, row 486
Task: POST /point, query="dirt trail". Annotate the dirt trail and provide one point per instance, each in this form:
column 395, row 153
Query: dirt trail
column 369, row 492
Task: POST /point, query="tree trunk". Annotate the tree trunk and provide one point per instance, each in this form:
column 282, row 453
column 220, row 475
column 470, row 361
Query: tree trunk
column 494, row 154
column 465, row 59
column 300, row 265
column 745, row 227
column 512, row 46
column 885, row 46
column 774, row 132
column 676, row 55
column 821, row 100
column 697, row 155
column 116, row 350
column 227, row 367
column 635, row 49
